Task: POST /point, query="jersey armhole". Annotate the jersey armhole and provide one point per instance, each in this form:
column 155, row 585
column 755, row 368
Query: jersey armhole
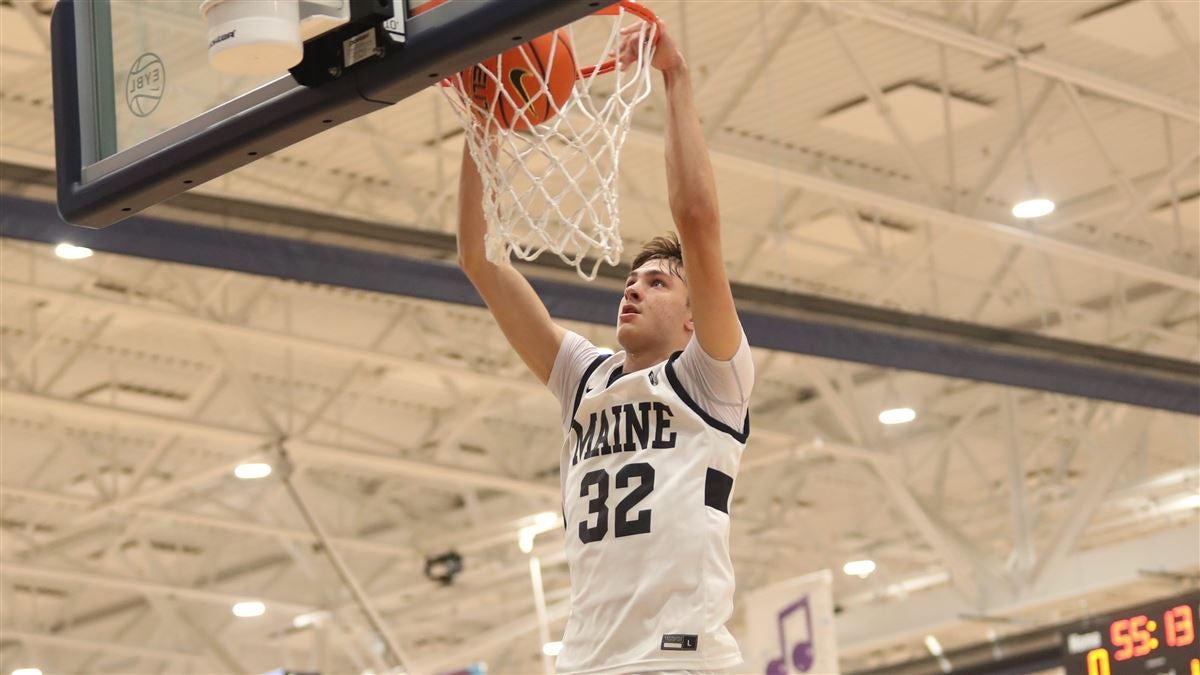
column 740, row 436
column 587, row 375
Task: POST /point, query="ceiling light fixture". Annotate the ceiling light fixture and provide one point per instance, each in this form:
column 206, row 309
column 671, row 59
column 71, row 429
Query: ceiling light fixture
column 525, row 539
column 252, row 470
column 72, row 252
column 552, row 648
column 546, row 520
column 542, row 522
column 1034, row 205
column 897, row 416
column 248, row 609
column 1033, row 208
column 859, row 568
column 27, row 671
column 935, row 649
column 314, row 618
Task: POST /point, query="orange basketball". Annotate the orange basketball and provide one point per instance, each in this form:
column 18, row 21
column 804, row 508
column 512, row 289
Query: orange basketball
column 523, row 70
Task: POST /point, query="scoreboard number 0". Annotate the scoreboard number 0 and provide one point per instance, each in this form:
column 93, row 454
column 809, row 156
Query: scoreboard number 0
column 1097, row 662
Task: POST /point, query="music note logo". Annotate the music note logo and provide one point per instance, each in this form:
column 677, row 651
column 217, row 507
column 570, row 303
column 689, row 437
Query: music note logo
column 802, row 651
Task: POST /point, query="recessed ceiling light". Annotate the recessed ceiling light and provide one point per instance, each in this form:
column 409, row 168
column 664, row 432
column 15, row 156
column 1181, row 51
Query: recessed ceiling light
column 552, row 648
column 859, row 568
column 27, row 671
column 309, row 619
column 72, row 252
column 249, row 609
column 252, row 471
column 897, row 416
column 1033, row 208
column 525, row 539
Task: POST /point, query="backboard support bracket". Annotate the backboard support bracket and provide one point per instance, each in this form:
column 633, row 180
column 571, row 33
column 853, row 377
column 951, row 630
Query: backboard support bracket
column 328, row 56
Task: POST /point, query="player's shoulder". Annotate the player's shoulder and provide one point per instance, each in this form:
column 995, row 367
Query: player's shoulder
column 694, row 356
column 580, row 356
column 578, row 359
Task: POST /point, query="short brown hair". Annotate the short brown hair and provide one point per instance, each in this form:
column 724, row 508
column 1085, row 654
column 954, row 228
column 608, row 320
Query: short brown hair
column 664, row 247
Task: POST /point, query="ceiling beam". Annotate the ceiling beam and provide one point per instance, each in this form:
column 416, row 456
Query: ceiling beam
column 953, row 37
column 106, row 646
column 773, row 319
column 92, row 580
column 1108, row 460
column 222, row 524
column 304, row 452
column 743, row 155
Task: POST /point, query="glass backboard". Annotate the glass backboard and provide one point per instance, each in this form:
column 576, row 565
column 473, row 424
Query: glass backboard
column 141, row 115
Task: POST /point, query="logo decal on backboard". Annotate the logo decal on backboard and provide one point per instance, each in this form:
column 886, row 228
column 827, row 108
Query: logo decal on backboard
column 145, row 84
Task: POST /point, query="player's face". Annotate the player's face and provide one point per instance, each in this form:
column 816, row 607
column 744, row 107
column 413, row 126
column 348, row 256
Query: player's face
column 654, row 312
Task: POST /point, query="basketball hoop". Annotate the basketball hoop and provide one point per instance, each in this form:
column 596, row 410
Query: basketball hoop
column 548, row 157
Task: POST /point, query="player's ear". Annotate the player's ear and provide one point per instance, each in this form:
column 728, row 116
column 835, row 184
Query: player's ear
column 689, row 324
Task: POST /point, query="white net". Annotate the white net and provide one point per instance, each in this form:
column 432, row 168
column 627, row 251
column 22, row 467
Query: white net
column 553, row 186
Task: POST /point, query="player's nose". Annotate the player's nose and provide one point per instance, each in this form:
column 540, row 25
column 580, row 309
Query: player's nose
column 632, row 293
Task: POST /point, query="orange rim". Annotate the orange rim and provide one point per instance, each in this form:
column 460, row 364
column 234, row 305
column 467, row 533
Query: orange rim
column 638, row 10
column 427, row 6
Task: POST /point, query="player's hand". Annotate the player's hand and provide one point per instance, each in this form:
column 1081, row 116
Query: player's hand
column 667, row 56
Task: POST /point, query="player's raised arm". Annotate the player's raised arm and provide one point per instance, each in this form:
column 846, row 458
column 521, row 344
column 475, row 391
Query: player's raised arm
column 692, row 193
column 515, row 305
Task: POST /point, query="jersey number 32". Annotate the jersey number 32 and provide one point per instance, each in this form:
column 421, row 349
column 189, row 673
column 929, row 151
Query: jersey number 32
column 624, row 526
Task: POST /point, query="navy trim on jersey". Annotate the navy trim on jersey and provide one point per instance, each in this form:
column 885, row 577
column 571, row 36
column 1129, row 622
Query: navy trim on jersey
column 587, row 374
column 615, row 375
column 739, row 436
column 718, row 485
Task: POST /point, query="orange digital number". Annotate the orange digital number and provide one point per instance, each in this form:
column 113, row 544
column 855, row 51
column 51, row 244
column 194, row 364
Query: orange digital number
column 1119, row 632
column 1195, row 667
column 1097, row 662
column 1179, row 627
column 1141, row 636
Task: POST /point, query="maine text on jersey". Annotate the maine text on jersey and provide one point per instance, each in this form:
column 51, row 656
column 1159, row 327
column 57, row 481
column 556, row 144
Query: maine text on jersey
column 624, row 428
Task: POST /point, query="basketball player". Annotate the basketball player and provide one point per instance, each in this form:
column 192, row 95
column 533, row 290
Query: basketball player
column 654, row 433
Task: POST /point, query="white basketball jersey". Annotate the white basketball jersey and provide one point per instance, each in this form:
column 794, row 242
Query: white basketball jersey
column 647, row 477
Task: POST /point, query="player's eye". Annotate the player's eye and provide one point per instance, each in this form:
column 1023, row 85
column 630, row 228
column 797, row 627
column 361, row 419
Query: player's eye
column 658, row 282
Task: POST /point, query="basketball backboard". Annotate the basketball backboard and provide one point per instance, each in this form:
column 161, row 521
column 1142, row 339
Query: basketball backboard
column 141, row 115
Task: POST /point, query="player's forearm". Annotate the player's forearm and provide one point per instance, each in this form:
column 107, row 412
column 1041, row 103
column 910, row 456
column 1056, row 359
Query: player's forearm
column 693, row 197
column 691, row 186
column 471, row 225
column 512, row 301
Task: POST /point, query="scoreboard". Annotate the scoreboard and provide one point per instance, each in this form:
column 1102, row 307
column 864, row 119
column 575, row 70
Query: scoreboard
column 1157, row 638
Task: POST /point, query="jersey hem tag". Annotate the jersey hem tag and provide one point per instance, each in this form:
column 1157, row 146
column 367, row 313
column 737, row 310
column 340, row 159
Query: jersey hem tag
column 680, row 642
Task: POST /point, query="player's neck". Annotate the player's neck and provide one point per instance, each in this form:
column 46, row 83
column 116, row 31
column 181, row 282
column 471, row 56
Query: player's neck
column 635, row 361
